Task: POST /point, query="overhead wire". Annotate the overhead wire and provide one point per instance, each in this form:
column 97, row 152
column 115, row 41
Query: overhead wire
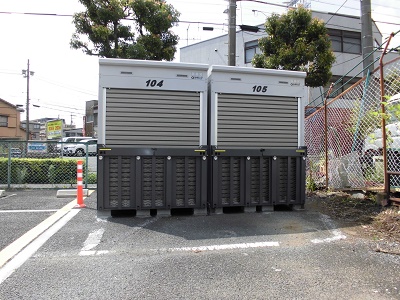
column 65, row 87
column 63, row 110
column 336, row 12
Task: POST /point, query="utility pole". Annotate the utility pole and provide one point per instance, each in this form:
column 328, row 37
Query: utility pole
column 232, row 33
column 72, row 115
column 27, row 74
column 367, row 40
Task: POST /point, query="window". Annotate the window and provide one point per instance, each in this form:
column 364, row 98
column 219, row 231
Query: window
column 250, row 49
column 3, row 121
column 345, row 41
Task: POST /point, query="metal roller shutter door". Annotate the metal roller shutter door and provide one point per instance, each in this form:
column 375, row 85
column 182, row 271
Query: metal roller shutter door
column 143, row 118
column 248, row 121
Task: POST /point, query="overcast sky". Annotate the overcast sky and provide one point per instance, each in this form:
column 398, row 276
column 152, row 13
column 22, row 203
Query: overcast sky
column 64, row 78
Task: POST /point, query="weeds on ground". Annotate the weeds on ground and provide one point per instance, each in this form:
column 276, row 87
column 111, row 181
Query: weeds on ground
column 388, row 222
column 380, row 224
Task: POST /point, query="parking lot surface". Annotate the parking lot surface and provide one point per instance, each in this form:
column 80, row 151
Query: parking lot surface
column 271, row 255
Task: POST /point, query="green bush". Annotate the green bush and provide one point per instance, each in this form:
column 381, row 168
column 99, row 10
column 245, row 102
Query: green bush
column 91, row 178
column 310, row 184
column 38, row 171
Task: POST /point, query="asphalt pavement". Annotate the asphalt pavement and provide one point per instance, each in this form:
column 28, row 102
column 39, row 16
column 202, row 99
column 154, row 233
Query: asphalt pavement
column 269, row 255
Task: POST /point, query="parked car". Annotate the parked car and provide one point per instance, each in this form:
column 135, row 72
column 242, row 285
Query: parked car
column 63, row 143
column 374, row 143
column 80, row 149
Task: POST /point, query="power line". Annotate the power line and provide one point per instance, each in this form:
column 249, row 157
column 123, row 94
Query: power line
column 336, row 12
column 54, row 83
column 66, row 87
column 358, row 1
column 383, row 22
column 208, row 23
column 40, row 103
column 34, row 14
column 336, row 5
column 129, row 19
column 346, row 61
column 10, row 73
column 63, row 110
column 263, row 2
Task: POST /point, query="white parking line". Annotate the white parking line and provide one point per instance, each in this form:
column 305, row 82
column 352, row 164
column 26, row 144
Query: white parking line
column 336, row 233
column 28, row 211
column 227, row 247
column 91, row 242
column 29, row 250
column 94, row 238
column 11, row 250
column 5, row 197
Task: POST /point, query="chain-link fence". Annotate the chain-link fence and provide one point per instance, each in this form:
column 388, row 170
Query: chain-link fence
column 46, row 164
column 345, row 136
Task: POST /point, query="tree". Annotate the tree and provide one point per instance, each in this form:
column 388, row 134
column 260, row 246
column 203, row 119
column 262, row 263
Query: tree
column 296, row 41
column 104, row 29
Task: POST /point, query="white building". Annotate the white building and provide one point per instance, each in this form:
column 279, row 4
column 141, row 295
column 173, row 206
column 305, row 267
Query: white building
column 344, row 31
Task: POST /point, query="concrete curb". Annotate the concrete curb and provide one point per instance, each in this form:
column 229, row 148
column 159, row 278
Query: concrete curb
column 71, row 193
column 2, row 193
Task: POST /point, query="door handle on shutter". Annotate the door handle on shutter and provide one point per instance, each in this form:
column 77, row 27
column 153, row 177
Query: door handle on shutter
column 218, row 151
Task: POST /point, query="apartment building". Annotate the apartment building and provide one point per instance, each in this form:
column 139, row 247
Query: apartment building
column 344, row 32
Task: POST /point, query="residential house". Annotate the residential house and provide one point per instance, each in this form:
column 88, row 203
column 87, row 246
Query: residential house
column 91, row 117
column 10, row 124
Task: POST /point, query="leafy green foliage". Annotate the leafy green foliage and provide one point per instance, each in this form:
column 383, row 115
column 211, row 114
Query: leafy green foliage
column 104, row 29
column 310, row 184
column 392, row 82
column 371, row 120
column 91, row 178
column 38, row 171
column 296, row 41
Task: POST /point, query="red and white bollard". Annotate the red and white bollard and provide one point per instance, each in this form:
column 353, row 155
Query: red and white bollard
column 79, row 191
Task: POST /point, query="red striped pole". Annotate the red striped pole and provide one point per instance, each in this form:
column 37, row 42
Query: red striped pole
column 79, row 179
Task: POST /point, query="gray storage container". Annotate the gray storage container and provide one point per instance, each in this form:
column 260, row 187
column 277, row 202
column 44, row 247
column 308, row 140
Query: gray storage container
column 256, row 137
column 152, row 135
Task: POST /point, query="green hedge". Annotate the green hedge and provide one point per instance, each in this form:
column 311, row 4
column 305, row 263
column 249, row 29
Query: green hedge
column 38, row 171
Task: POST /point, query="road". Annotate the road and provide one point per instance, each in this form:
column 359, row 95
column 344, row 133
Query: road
column 272, row 255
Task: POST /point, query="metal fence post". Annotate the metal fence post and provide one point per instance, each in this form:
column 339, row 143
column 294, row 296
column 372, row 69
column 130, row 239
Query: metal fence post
column 326, row 136
column 386, row 184
column 87, row 166
column 9, row 166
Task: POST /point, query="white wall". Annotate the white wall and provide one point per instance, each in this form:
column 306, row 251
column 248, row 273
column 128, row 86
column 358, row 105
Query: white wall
column 214, row 51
